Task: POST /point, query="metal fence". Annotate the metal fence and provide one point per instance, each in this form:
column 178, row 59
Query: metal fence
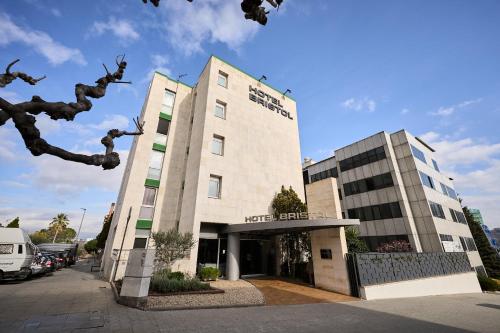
column 375, row 268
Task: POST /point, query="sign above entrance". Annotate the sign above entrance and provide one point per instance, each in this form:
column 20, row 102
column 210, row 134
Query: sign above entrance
column 268, row 101
column 285, row 217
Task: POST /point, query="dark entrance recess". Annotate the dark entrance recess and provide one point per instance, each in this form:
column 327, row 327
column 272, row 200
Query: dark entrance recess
column 212, row 253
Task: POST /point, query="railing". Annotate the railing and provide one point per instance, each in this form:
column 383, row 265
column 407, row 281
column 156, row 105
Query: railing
column 376, row 268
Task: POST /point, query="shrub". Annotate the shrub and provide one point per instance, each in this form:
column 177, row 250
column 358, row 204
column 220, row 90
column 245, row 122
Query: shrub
column 175, row 276
column 487, row 284
column 162, row 284
column 395, row 246
column 209, row 273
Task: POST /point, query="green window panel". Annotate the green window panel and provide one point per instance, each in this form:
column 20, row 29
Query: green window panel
column 144, row 224
column 152, row 183
column 165, row 116
column 159, row 147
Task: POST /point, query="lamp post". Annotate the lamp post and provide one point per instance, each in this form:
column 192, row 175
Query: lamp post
column 81, row 222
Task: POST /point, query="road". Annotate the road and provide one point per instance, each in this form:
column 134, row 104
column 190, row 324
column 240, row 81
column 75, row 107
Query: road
column 77, row 300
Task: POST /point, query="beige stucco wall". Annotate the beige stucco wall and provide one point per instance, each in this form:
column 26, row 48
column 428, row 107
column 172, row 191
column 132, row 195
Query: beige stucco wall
column 261, row 153
column 330, row 274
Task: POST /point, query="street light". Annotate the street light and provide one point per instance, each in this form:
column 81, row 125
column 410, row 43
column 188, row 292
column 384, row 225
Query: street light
column 81, row 222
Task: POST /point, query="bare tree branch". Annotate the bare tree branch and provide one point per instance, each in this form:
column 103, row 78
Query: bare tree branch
column 68, row 111
column 25, row 123
column 8, row 77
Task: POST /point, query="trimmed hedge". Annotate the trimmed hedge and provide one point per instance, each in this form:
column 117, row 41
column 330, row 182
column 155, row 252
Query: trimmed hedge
column 160, row 282
column 487, row 284
column 209, row 273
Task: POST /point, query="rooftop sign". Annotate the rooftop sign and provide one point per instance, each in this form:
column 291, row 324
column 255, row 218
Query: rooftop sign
column 268, row 101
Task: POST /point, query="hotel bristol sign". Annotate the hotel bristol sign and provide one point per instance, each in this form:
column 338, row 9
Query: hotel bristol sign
column 268, row 101
column 285, row 217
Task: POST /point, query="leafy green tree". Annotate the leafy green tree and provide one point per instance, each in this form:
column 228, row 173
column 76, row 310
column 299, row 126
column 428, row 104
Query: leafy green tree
column 14, row 223
column 91, row 246
column 354, row 243
column 58, row 224
column 294, row 245
column 39, row 237
column 171, row 245
column 489, row 256
column 103, row 235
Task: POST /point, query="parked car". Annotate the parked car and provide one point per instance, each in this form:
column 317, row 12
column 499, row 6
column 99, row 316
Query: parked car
column 49, row 261
column 16, row 253
column 37, row 266
column 68, row 251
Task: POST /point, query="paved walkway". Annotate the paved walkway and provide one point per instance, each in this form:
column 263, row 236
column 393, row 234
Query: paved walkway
column 281, row 292
column 74, row 300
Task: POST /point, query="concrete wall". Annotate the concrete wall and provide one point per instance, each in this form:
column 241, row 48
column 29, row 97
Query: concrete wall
column 442, row 285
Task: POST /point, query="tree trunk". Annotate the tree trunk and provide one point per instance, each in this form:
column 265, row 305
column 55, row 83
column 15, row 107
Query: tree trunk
column 55, row 236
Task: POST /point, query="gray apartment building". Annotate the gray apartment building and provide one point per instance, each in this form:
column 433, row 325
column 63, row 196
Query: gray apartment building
column 392, row 183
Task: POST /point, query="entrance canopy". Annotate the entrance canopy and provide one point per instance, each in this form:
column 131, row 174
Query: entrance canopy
column 284, row 226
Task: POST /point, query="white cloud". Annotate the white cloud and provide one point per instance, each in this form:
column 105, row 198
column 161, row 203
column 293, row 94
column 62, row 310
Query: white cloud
column 8, row 145
column 75, row 178
column 475, row 167
column 111, row 121
column 56, row 12
column 449, row 110
column 461, row 152
column 359, row 104
column 216, row 21
column 122, row 29
column 405, row 111
column 158, row 63
column 35, row 218
column 10, row 96
column 40, row 41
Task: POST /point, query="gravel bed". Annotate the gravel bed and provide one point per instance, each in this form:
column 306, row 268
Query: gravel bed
column 236, row 293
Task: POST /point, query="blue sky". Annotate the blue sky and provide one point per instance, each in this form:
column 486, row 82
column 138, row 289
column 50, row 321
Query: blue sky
column 355, row 68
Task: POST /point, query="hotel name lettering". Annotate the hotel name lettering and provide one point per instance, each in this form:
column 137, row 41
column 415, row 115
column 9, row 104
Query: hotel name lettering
column 268, row 101
column 285, row 217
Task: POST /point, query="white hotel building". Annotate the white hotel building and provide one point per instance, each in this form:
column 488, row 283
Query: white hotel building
column 393, row 185
column 210, row 155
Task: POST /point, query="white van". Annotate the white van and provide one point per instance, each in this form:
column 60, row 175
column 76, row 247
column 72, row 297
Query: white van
column 16, row 253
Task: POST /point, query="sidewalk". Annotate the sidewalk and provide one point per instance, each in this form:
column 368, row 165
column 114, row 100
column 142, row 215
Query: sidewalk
column 75, row 300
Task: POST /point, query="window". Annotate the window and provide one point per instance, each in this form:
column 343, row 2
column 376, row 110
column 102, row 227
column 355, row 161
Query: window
column 325, row 174
column 461, row 217
column 437, row 210
column 446, row 238
column 326, row 254
column 453, row 215
column 449, row 191
column 162, row 132
column 468, row 244
column 367, row 157
column 155, row 165
column 148, row 204
column 218, row 145
column 168, row 102
column 418, row 153
column 376, row 212
column 220, row 110
column 6, row 248
column 426, row 180
column 435, row 165
column 222, row 79
column 368, row 184
column 214, row 187
column 19, row 249
column 140, row 243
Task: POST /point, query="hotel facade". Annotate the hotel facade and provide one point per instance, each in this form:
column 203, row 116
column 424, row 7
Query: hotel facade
column 211, row 155
column 392, row 183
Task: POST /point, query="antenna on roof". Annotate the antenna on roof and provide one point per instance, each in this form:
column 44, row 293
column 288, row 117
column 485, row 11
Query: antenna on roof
column 286, row 92
column 180, row 76
column 263, row 77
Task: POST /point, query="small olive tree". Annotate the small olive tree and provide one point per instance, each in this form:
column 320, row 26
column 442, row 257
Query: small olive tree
column 171, row 245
